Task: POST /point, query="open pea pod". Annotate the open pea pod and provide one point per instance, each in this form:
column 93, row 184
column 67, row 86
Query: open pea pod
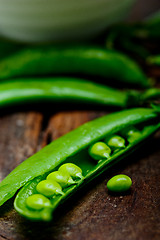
column 74, row 148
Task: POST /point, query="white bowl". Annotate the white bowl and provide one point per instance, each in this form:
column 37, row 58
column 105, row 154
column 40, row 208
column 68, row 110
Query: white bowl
column 59, row 20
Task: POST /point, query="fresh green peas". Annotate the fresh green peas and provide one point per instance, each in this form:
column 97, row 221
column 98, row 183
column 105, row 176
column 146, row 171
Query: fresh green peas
column 63, row 178
column 71, row 169
column 49, row 188
column 37, row 202
column 119, row 183
column 99, row 151
column 115, row 142
column 132, row 134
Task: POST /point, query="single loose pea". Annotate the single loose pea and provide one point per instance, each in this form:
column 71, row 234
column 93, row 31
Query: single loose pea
column 115, row 142
column 37, row 202
column 99, row 151
column 49, row 188
column 63, row 178
column 119, row 183
column 71, row 169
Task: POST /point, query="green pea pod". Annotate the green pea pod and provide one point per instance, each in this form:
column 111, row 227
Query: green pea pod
column 86, row 60
column 75, row 90
column 24, row 91
column 73, row 148
column 154, row 60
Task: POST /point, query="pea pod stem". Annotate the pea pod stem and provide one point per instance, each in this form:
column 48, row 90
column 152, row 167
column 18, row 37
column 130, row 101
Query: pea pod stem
column 56, row 153
column 86, row 60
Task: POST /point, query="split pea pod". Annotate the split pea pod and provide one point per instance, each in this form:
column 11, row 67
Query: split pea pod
column 70, row 154
column 69, row 90
column 73, row 60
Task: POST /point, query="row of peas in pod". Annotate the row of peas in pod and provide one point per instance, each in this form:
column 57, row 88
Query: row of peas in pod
column 69, row 173
column 53, row 185
column 114, row 143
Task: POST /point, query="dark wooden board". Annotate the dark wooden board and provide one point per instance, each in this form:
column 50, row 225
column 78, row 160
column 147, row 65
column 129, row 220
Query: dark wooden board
column 93, row 214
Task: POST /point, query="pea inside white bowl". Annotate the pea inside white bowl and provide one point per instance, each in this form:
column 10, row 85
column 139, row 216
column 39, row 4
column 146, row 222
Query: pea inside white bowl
column 59, row 20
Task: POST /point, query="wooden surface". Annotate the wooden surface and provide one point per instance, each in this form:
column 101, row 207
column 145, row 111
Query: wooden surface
column 93, row 214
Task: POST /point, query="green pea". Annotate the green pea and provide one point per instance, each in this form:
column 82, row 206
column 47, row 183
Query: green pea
column 37, row 202
column 63, row 178
column 71, row 169
column 115, row 142
column 132, row 134
column 49, row 188
column 99, row 151
column 119, row 183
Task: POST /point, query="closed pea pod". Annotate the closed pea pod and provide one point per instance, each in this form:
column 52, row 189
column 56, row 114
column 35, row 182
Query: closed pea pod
column 68, row 90
column 119, row 183
column 62, row 89
column 78, row 59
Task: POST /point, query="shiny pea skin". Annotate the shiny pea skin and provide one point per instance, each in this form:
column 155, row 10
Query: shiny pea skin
column 71, row 169
column 63, row 178
column 99, row 151
column 115, row 142
column 49, row 188
column 119, row 183
column 37, row 202
column 133, row 134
